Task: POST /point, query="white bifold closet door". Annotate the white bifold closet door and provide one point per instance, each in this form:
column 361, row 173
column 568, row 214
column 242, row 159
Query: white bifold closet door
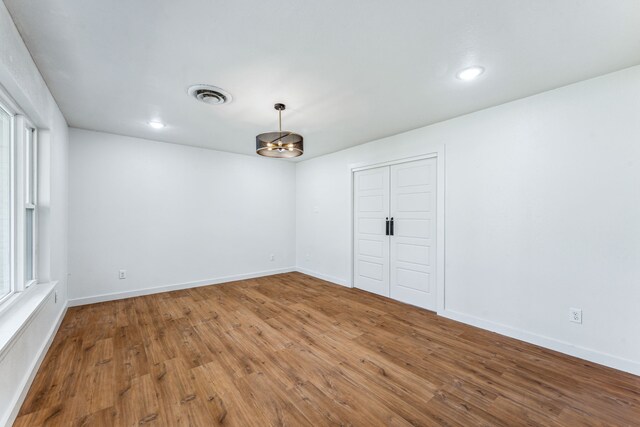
column 399, row 262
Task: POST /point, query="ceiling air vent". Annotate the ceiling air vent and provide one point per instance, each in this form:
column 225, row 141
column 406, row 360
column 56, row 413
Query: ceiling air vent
column 210, row 94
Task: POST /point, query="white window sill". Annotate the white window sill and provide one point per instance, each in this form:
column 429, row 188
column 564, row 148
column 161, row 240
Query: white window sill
column 17, row 312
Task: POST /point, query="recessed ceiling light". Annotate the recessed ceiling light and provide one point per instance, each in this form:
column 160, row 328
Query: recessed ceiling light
column 156, row 124
column 470, row 73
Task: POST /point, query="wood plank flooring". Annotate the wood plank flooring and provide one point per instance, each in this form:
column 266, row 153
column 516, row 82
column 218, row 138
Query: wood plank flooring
column 294, row 350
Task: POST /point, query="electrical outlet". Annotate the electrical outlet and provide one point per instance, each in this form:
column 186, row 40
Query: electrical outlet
column 272, row 257
column 122, row 274
column 575, row 315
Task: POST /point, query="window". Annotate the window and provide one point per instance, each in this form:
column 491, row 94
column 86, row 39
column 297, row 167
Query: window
column 5, row 203
column 30, row 198
column 18, row 202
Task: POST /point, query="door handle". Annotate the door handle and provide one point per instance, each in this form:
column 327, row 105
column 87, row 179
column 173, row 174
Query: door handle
column 387, row 227
column 391, row 228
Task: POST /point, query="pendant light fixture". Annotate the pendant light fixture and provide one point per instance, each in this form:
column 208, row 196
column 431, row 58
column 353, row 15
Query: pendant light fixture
column 281, row 144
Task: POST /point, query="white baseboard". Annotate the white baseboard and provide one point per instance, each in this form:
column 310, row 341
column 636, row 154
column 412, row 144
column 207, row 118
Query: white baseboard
column 546, row 342
column 323, row 276
column 34, row 368
column 175, row 287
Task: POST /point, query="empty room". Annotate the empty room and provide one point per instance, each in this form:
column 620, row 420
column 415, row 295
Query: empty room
column 319, row 213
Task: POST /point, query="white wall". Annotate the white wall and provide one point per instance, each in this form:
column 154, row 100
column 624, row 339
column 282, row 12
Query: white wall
column 542, row 214
column 171, row 215
column 21, row 79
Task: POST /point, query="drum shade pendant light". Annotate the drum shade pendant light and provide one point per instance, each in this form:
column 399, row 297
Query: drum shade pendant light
column 281, row 144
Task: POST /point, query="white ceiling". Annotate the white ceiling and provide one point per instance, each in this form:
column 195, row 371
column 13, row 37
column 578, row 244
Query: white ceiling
column 349, row 71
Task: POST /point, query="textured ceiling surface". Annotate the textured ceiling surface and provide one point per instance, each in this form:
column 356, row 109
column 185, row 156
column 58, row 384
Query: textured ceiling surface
column 349, row 71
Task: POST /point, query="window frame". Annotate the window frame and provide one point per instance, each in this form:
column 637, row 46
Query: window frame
column 22, row 128
column 30, row 191
column 7, row 107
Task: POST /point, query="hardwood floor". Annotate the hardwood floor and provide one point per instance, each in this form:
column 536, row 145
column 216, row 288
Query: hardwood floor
column 294, row 350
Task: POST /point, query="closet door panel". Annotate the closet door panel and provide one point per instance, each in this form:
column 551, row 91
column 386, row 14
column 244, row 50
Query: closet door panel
column 412, row 247
column 371, row 244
